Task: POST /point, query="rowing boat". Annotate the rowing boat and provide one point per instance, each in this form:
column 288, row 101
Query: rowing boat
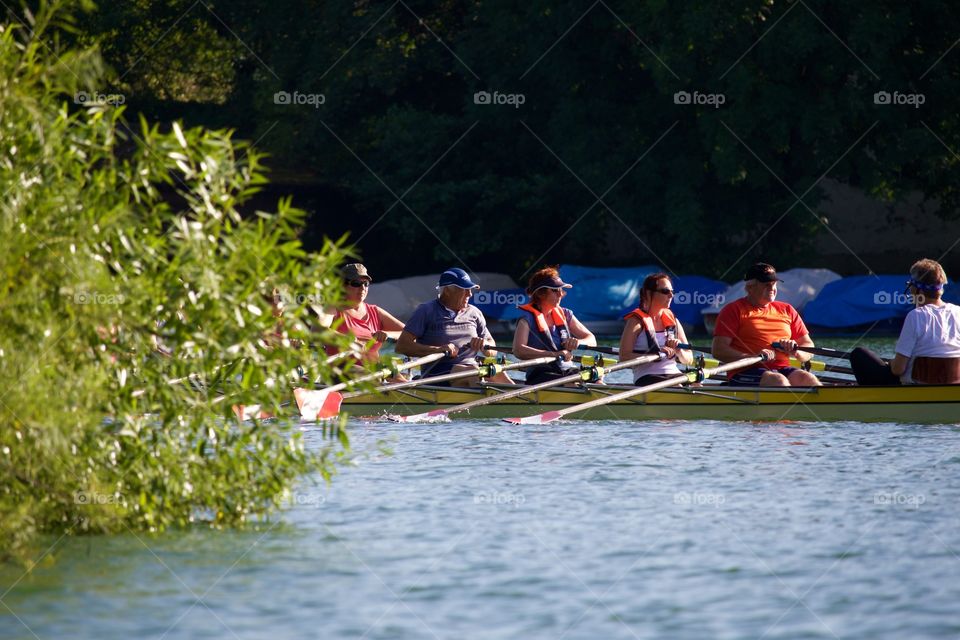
column 930, row 404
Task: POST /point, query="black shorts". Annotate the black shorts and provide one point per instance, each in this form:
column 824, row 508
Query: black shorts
column 751, row 377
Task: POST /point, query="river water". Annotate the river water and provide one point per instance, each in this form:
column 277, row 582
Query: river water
column 575, row 530
column 580, row 530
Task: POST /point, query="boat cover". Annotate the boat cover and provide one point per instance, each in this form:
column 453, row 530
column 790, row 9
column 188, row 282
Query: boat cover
column 863, row 300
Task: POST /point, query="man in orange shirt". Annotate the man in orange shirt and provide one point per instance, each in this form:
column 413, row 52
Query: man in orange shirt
column 749, row 326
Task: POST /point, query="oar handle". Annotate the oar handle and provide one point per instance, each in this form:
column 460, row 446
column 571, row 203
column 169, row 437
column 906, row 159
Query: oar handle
column 821, row 351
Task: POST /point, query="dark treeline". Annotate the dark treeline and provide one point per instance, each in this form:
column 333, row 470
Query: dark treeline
column 587, row 151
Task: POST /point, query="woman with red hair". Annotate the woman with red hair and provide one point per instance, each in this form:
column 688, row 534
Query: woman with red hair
column 547, row 329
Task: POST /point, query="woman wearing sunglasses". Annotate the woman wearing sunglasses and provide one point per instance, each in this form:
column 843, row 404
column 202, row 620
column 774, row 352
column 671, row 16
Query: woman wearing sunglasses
column 652, row 328
column 368, row 323
column 547, row 329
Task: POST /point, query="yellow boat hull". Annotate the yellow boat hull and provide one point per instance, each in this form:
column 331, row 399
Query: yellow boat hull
column 927, row 404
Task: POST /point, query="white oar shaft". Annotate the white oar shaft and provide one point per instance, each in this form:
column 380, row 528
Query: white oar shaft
column 656, row 386
column 574, row 377
column 455, row 376
column 383, row 373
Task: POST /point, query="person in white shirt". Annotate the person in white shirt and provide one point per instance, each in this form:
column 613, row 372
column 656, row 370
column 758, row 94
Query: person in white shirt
column 928, row 350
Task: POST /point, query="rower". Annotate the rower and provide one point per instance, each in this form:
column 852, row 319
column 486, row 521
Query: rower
column 451, row 325
column 652, row 328
column 370, row 325
column 928, row 349
column 547, row 329
column 749, row 326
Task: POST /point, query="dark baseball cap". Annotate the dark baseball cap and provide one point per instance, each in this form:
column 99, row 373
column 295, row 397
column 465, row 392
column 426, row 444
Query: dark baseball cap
column 355, row 271
column 762, row 272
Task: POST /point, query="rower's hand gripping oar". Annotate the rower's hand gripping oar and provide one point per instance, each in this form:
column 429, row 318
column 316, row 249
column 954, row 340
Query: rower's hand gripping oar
column 821, row 351
column 589, row 374
column 692, row 376
column 320, row 404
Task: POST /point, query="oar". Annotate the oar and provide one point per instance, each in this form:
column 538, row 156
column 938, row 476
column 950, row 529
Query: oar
column 693, row 376
column 815, row 365
column 607, row 350
column 586, row 360
column 585, row 375
column 483, row 371
column 821, row 351
column 319, row 404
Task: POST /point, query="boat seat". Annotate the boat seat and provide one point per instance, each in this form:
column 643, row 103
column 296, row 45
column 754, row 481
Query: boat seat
column 936, row 370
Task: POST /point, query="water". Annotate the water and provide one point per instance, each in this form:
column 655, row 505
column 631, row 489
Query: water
column 577, row 530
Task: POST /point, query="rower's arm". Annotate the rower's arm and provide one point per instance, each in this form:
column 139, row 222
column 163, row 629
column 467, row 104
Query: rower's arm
column 521, row 349
column 407, row 345
column 723, row 350
column 684, row 356
column 629, row 338
column 579, row 331
column 389, row 324
column 803, row 356
column 898, row 366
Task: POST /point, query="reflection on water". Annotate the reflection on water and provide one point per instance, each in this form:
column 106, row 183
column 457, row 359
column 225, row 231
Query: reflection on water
column 580, row 530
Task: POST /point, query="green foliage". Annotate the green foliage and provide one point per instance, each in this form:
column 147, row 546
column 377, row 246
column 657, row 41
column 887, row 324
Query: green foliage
column 121, row 243
column 599, row 80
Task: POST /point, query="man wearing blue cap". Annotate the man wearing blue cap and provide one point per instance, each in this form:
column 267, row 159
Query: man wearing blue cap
column 451, row 325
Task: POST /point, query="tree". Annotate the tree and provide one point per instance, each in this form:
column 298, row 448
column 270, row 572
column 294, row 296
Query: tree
column 496, row 185
column 122, row 243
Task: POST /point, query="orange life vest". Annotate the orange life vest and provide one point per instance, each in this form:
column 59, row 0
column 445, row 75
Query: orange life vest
column 646, row 321
column 558, row 318
column 666, row 316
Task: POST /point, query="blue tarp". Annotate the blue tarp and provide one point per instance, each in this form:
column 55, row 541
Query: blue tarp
column 863, row 300
column 606, row 294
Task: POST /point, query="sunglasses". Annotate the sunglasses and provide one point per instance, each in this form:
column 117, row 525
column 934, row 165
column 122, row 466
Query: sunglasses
column 666, row 292
column 356, row 284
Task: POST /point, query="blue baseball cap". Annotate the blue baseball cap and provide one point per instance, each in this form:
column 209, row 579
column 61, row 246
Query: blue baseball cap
column 458, row 278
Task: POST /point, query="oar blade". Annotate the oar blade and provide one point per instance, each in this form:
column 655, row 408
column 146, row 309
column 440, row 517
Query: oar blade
column 250, row 412
column 317, row 404
column 540, row 418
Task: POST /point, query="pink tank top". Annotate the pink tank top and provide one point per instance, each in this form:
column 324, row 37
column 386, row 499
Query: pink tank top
column 362, row 328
